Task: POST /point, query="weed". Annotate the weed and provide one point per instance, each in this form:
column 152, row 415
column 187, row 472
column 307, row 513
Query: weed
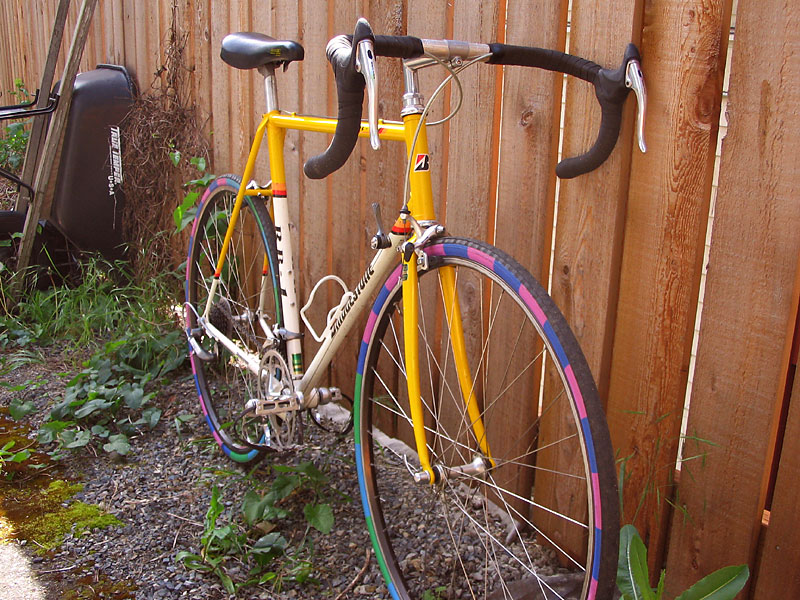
column 8, row 454
column 130, row 332
column 14, row 137
column 185, row 212
column 107, row 402
column 633, row 578
column 252, row 538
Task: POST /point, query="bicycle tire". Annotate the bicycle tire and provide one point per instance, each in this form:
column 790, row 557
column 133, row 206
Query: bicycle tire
column 224, row 387
column 546, row 517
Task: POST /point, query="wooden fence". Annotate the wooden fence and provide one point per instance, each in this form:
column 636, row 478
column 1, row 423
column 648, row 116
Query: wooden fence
column 627, row 249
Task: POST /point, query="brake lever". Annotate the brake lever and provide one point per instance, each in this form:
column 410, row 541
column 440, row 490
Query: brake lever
column 365, row 64
column 635, row 81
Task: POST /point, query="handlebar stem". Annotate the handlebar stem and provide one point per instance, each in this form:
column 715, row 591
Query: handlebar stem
column 413, row 101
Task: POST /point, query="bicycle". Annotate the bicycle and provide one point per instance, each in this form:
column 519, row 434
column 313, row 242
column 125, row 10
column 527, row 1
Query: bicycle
column 474, row 410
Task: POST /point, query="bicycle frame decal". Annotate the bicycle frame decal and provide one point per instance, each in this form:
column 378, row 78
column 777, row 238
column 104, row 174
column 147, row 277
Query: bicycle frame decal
column 345, row 310
column 422, row 162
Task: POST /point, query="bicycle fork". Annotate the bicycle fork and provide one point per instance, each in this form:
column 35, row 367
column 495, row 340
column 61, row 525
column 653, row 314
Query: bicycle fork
column 433, row 473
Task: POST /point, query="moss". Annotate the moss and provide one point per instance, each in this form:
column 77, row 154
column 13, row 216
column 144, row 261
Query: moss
column 45, row 515
column 49, row 529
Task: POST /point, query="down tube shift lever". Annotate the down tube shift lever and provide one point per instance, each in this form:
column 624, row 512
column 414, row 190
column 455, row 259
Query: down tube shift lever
column 635, row 80
column 366, row 66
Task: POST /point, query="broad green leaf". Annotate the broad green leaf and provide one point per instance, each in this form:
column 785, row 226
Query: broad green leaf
column 253, row 507
column 320, row 516
column 118, row 443
column 638, row 562
column 20, row 456
column 227, row 582
column 19, row 409
column 133, row 397
column 632, row 576
column 624, row 575
column 313, row 473
column 199, row 163
column 283, row 485
column 151, row 416
column 92, row 406
column 268, row 547
column 192, row 561
column 49, row 431
column 723, row 584
column 175, row 157
column 75, row 438
column 100, row 431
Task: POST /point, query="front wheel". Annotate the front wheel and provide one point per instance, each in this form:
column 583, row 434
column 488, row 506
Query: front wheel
column 531, row 508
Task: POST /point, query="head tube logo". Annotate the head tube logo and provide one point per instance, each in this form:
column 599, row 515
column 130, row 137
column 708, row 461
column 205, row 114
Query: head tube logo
column 422, row 162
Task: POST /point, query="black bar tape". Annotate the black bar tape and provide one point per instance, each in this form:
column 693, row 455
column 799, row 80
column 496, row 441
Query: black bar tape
column 541, row 58
column 398, row 46
column 350, row 94
column 610, row 122
column 609, row 87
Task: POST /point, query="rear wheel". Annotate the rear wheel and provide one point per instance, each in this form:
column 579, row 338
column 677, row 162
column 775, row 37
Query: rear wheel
column 247, row 281
column 532, row 509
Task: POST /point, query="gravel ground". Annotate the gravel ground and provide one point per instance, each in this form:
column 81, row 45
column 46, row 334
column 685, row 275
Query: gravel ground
column 161, row 493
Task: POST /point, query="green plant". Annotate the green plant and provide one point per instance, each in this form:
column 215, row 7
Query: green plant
column 633, row 577
column 107, row 401
column 14, row 138
column 106, row 301
column 185, row 212
column 8, row 454
column 130, row 331
column 253, row 540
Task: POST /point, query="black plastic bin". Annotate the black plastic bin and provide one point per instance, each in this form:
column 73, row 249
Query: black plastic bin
column 89, row 200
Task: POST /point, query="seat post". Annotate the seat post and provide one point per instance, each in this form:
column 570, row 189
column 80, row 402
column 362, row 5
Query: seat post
column 270, row 86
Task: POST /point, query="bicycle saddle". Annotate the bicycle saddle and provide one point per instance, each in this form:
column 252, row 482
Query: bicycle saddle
column 250, row 50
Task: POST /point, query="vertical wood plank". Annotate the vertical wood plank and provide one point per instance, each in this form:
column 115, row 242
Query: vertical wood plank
column 129, row 39
column 345, row 209
column 779, row 572
column 241, row 92
column 220, row 91
column 286, row 23
column 432, row 21
column 470, row 170
column 118, row 12
column 529, row 138
column 315, row 86
column 665, row 228
column 200, row 55
column 743, row 350
column 591, row 209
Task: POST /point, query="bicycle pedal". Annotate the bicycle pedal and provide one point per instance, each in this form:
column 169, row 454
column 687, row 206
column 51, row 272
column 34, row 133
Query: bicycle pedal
column 278, row 405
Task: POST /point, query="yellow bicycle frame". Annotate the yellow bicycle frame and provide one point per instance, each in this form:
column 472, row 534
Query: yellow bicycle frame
column 421, row 207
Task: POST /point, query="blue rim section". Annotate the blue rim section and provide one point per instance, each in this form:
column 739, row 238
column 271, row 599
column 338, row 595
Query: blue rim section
column 462, row 251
